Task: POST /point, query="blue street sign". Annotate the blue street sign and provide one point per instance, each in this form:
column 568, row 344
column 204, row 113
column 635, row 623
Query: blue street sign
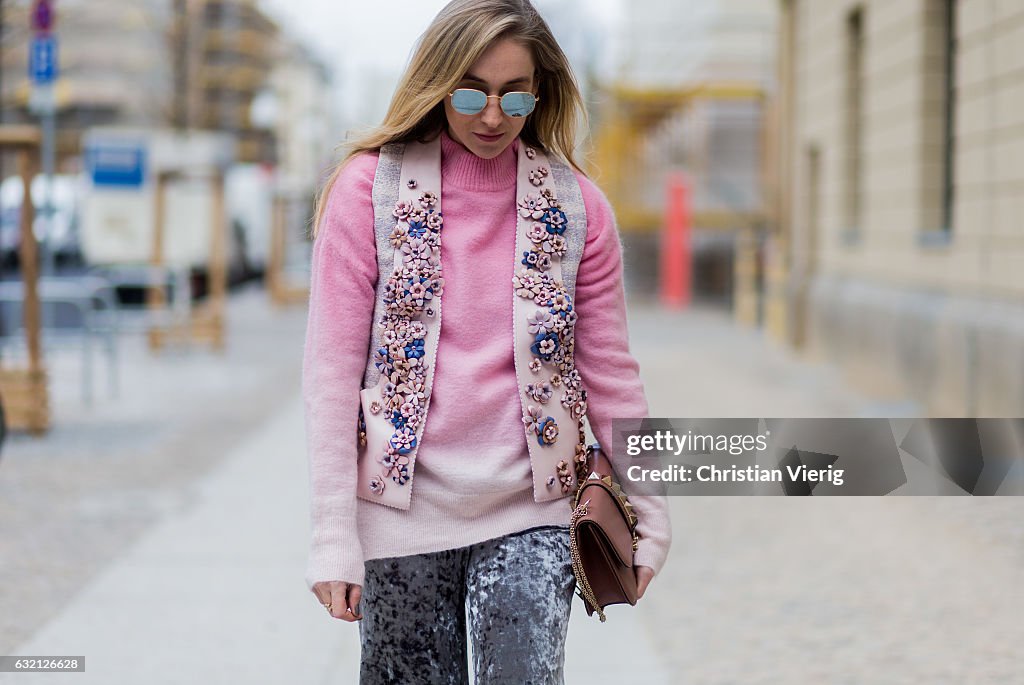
column 42, row 63
column 121, row 164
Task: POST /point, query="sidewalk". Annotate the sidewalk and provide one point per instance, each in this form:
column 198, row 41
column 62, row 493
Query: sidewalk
column 215, row 594
column 756, row 590
column 78, row 497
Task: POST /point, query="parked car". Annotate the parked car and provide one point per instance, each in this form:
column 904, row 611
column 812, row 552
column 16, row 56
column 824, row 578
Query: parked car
column 62, row 239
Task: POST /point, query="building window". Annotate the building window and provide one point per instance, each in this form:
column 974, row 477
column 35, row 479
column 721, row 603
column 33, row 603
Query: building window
column 949, row 103
column 938, row 121
column 854, row 124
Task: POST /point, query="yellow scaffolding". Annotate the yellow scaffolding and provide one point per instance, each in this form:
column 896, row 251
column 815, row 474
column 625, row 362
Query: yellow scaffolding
column 628, row 116
column 619, row 162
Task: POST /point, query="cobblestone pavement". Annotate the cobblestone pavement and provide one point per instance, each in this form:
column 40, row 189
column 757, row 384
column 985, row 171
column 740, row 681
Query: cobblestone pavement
column 122, row 534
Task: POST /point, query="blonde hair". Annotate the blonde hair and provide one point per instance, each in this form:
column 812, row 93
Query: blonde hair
column 455, row 39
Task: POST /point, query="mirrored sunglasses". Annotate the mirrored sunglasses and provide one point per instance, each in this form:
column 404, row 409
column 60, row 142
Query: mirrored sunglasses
column 472, row 101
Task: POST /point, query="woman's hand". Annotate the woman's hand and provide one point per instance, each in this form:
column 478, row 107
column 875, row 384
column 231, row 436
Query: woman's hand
column 644, row 574
column 343, row 598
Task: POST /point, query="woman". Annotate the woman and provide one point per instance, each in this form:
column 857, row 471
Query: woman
column 532, row 338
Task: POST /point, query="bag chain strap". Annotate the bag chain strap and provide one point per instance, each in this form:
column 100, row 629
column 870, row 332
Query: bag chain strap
column 586, row 592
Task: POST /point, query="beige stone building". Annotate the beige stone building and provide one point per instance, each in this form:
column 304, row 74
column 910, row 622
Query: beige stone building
column 113, row 65
column 229, row 51
column 899, row 252
column 186, row 63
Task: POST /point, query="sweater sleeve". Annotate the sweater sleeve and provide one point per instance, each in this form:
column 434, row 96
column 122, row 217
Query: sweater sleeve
column 609, row 372
column 341, row 297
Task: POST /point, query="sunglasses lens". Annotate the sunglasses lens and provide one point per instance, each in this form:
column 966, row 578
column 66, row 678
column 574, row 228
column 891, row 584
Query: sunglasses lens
column 517, row 104
column 468, row 101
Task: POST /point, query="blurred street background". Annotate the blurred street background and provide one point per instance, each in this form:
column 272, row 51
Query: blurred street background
column 820, row 205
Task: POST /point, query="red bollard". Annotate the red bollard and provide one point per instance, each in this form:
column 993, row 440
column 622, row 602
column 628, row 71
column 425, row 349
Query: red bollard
column 676, row 255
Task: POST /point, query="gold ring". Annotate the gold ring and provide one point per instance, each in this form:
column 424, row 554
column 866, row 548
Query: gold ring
column 327, row 606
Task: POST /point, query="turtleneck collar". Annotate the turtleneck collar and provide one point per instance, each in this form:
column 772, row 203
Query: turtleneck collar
column 463, row 169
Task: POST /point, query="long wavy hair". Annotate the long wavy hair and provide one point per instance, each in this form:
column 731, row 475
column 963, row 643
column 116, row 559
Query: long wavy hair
column 459, row 34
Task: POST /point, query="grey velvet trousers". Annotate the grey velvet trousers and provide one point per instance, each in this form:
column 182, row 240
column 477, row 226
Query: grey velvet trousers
column 517, row 591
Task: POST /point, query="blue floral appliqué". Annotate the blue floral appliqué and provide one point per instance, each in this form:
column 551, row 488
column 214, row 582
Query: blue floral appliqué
column 545, row 345
column 547, row 431
column 554, row 220
column 417, row 229
column 414, row 349
column 404, row 440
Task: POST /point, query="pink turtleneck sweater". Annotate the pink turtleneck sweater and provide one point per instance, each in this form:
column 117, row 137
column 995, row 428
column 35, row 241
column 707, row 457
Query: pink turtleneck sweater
column 473, row 474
